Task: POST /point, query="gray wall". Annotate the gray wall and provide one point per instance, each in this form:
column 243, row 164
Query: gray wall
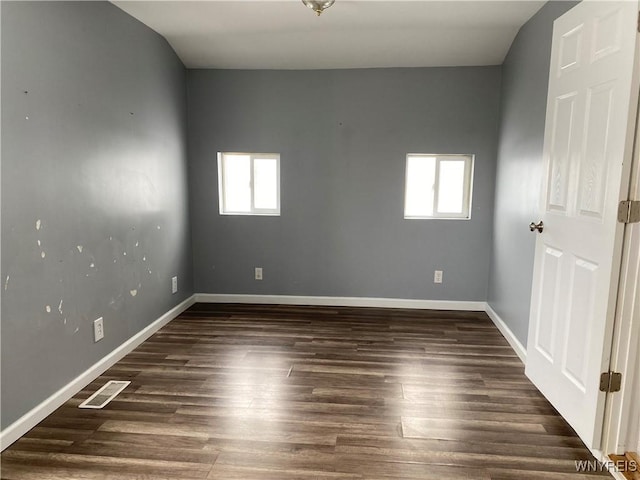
column 524, row 95
column 94, row 202
column 343, row 137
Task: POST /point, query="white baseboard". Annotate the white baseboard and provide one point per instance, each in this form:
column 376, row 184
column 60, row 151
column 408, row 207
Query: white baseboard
column 341, row 301
column 30, row 419
column 605, row 460
column 520, row 350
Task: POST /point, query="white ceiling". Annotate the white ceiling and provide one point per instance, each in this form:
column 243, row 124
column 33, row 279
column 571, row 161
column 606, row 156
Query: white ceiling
column 284, row 34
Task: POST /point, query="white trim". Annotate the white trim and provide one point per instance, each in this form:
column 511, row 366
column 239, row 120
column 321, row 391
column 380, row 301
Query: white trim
column 622, row 415
column 222, row 186
column 29, row 420
column 467, row 186
column 520, row 350
column 621, row 429
column 506, row 332
column 341, row 301
column 34, row 416
column 604, row 459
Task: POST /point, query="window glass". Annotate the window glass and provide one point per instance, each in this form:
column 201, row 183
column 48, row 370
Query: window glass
column 438, row 186
column 249, row 183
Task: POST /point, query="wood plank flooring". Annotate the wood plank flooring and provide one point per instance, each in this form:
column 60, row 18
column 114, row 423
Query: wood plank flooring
column 283, row 392
column 628, row 464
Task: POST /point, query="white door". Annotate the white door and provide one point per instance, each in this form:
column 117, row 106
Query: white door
column 592, row 98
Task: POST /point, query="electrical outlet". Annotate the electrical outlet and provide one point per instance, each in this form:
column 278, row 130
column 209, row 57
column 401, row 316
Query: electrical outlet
column 98, row 330
column 258, row 273
column 437, row 276
column 174, row 285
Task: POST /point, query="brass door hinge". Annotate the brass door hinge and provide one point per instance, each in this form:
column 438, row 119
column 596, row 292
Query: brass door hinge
column 610, row 382
column 629, row 211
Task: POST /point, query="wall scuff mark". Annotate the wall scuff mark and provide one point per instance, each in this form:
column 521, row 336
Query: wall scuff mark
column 81, row 187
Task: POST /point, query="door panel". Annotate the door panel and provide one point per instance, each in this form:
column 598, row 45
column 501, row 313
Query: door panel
column 580, row 320
column 548, row 312
column 561, row 159
column 593, row 176
column 570, row 49
column 607, row 34
column 587, row 151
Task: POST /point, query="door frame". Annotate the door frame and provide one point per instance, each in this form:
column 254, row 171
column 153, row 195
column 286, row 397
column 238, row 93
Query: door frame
column 620, row 415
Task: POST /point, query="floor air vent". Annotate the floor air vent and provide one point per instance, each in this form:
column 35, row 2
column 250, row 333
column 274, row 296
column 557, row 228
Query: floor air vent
column 103, row 396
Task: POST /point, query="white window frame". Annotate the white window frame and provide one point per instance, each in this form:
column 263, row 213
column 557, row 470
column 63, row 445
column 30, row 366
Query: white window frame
column 221, row 184
column 467, row 186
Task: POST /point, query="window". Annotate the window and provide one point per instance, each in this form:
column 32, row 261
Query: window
column 249, row 183
column 438, row 186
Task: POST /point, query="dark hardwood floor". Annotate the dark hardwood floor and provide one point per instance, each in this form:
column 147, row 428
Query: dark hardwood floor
column 283, row 392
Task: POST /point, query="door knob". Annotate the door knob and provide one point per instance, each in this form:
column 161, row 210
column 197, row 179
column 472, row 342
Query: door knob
column 536, row 226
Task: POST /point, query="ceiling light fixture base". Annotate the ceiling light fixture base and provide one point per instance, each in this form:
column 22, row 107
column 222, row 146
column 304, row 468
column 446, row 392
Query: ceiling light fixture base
column 318, row 6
